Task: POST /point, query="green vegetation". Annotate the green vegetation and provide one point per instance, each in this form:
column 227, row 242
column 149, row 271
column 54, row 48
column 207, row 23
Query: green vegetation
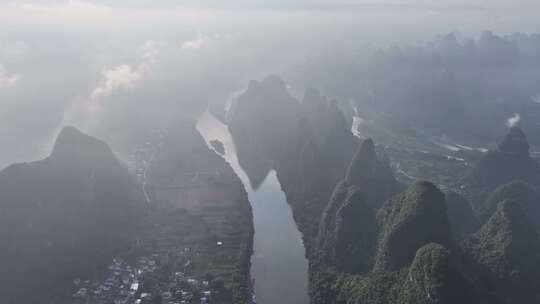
column 508, row 252
column 408, row 221
column 370, row 243
column 411, row 256
column 526, row 195
column 416, row 259
column 347, row 236
column 431, row 278
column 397, row 259
column 372, row 175
column 201, row 204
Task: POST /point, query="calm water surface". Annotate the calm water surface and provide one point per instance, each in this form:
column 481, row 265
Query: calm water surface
column 279, row 266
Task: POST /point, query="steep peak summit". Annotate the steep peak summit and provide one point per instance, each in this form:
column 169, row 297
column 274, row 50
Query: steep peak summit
column 526, row 194
column 275, row 83
column 363, row 164
column 314, row 97
column 409, row 221
column 515, row 142
column 372, row 175
column 269, row 82
column 67, row 133
column 510, row 162
column 73, row 144
column 267, row 96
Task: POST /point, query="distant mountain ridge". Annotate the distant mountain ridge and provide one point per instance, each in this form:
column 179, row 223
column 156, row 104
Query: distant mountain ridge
column 509, row 162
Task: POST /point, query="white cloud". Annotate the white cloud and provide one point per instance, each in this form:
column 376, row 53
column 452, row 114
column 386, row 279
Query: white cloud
column 194, row 44
column 514, row 120
column 125, row 76
column 116, row 78
column 150, row 55
column 150, row 50
column 205, row 41
column 7, row 80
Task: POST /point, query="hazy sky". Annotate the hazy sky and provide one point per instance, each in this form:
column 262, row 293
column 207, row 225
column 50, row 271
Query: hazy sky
column 307, row 4
column 110, row 64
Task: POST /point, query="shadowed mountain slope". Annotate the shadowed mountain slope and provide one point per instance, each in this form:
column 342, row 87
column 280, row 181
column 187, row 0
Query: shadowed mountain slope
column 64, row 217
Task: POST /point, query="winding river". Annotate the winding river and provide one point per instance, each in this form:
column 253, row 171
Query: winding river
column 278, row 264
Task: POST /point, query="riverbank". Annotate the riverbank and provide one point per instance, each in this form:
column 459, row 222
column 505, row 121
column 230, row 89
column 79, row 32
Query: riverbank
column 200, row 220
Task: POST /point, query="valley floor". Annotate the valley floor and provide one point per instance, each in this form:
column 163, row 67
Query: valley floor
column 196, row 240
